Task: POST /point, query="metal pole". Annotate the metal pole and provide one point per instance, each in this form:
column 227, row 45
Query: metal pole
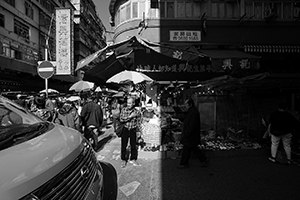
column 46, row 59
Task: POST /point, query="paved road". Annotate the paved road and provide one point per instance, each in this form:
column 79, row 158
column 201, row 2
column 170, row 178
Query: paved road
column 230, row 175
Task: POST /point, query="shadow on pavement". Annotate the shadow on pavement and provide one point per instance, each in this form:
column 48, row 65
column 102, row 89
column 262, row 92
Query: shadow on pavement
column 104, row 141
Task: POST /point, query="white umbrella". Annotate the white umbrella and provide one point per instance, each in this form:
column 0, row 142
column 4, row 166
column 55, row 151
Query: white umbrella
column 135, row 77
column 82, row 86
column 49, row 91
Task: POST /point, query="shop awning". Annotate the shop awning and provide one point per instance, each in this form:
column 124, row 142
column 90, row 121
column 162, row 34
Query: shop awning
column 272, row 48
column 232, row 61
column 136, row 54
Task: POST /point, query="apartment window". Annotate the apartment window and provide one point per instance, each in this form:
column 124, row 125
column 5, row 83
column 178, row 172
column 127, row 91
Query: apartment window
column 162, row 9
column 224, row 10
column 122, row 14
column 170, row 10
column 128, row 11
column 2, row 20
column 21, row 29
column 141, row 8
column 6, row 48
column 135, row 10
column 11, row 2
column 18, row 55
column 197, row 9
column 185, row 9
column 118, row 17
column 29, row 10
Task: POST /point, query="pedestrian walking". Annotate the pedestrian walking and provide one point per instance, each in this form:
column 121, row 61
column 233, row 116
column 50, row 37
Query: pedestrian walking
column 91, row 113
column 92, row 118
column 191, row 136
column 130, row 116
column 282, row 125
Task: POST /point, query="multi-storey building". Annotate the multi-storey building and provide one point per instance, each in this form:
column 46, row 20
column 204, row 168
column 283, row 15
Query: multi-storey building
column 25, row 26
column 89, row 32
column 268, row 29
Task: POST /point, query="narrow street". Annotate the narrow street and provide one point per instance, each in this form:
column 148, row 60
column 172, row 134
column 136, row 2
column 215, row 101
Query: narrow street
column 235, row 174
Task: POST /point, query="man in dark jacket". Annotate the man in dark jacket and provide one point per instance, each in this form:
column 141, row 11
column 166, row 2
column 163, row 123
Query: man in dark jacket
column 191, row 136
column 91, row 114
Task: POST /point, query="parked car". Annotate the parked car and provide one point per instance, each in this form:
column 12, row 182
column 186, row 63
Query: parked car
column 43, row 160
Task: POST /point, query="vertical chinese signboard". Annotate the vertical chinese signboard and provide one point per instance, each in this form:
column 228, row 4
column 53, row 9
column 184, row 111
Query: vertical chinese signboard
column 64, row 41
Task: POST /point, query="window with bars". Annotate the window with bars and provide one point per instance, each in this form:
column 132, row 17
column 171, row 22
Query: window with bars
column 22, row 30
column 224, row 10
column 166, row 9
column 11, row 2
column 188, row 9
column 135, row 13
column 29, row 10
column 2, row 20
column 285, row 10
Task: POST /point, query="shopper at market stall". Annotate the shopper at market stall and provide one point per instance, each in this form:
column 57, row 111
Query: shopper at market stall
column 130, row 116
column 191, row 136
column 281, row 126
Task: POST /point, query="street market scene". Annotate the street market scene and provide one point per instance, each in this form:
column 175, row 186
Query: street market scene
column 158, row 100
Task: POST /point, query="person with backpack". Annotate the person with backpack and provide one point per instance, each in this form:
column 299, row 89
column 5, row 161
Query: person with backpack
column 68, row 116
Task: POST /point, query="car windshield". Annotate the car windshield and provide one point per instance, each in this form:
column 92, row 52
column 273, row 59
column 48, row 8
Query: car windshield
column 18, row 124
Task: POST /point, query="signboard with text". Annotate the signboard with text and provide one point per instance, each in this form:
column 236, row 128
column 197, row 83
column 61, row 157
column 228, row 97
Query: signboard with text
column 64, row 37
column 185, row 36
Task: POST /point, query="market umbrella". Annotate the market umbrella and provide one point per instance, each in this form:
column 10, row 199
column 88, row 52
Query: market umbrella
column 73, row 98
column 82, row 86
column 49, row 91
column 98, row 89
column 135, row 77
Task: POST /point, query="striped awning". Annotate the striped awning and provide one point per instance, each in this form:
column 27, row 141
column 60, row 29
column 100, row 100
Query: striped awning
column 272, row 48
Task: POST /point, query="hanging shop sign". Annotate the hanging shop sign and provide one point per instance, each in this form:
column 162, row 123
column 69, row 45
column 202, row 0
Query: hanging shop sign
column 185, row 36
column 64, row 41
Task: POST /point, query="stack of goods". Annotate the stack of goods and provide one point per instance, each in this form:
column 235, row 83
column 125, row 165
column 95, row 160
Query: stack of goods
column 252, row 144
column 219, row 145
column 151, row 133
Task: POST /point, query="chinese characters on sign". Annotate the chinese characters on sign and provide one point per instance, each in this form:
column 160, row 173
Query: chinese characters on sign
column 220, row 65
column 185, row 36
column 63, row 41
column 173, row 68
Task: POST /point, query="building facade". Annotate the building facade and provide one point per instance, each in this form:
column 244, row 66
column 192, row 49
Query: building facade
column 25, row 26
column 268, row 29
